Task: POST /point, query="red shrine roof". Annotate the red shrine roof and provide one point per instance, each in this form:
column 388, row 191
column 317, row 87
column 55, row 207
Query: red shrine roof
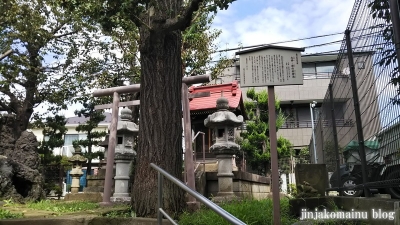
column 231, row 91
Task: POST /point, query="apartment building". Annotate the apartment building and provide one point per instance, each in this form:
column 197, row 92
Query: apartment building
column 295, row 99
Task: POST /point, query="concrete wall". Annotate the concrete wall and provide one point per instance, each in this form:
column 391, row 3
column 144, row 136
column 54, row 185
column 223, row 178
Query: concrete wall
column 245, row 185
column 311, row 90
column 297, row 136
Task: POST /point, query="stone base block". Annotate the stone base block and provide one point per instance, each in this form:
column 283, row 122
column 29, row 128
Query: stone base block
column 226, row 198
column 120, row 199
column 93, row 189
column 382, row 196
column 90, row 197
column 193, row 206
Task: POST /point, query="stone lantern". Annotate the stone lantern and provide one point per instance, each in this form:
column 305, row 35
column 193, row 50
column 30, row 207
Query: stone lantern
column 223, row 123
column 77, row 160
column 124, row 154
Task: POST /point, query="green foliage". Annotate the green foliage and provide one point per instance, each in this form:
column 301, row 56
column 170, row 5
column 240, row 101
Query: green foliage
column 60, row 55
column 54, row 129
column 255, row 141
column 127, row 213
column 249, row 211
column 52, row 32
column 62, row 207
column 198, row 45
column 6, row 214
column 8, row 202
column 380, row 11
column 293, row 190
column 330, row 155
column 93, row 137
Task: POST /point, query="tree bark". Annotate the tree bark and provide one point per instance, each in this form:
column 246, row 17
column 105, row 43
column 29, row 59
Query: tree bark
column 89, row 163
column 160, row 120
column 23, row 115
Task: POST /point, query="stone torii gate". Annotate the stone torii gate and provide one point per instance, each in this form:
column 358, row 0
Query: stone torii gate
column 115, row 92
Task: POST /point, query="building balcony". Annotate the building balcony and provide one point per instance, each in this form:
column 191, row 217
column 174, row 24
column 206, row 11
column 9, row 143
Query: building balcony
column 308, row 123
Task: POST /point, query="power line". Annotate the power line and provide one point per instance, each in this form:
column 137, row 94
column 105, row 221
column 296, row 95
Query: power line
column 280, row 42
column 294, row 40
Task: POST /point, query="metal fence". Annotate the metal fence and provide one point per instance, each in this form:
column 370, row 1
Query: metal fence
column 53, row 176
column 364, row 92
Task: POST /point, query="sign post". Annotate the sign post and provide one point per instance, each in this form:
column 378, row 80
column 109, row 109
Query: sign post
column 271, row 66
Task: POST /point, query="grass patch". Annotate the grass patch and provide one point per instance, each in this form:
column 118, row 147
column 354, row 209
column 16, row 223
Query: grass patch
column 249, row 211
column 127, row 213
column 62, row 207
column 5, row 214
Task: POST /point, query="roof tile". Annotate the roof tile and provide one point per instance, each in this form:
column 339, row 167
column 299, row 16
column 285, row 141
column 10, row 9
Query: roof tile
column 230, row 91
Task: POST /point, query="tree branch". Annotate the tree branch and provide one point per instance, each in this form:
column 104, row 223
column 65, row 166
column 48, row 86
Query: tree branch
column 138, row 22
column 57, row 28
column 65, row 34
column 4, row 107
column 183, row 20
column 6, row 54
column 6, row 91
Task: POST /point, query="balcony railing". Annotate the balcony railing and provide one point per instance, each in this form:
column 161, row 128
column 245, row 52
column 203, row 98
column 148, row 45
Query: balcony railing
column 308, row 123
column 321, row 75
column 310, row 76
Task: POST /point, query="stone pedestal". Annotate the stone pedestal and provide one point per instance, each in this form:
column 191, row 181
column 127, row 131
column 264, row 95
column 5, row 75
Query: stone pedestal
column 122, row 167
column 75, row 181
column 225, row 175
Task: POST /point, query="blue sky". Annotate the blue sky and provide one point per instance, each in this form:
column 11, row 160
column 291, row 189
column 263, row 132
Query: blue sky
column 253, row 22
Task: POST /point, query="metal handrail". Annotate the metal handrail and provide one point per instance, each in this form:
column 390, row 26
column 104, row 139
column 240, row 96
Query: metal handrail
column 160, row 212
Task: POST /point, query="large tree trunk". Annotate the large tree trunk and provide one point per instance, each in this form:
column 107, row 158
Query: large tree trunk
column 160, row 136
column 23, row 115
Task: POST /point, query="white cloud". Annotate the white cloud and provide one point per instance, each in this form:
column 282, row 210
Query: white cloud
column 276, row 21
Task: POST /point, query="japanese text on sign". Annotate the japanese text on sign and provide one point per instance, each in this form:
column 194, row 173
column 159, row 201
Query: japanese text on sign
column 271, row 67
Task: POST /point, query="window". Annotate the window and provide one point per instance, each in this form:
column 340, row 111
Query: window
column 361, row 65
column 70, row 138
column 120, row 140
column 221, row 133
column 309, row 68
column 326, row 67
column 315, row 68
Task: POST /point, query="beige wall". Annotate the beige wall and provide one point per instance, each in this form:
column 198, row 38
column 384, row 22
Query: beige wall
column 297, row 136
column 311, row 90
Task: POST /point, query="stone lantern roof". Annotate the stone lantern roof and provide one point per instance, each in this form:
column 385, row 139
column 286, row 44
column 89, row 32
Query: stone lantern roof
column 223, row 117
column 125, row 124
column 77, row 156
